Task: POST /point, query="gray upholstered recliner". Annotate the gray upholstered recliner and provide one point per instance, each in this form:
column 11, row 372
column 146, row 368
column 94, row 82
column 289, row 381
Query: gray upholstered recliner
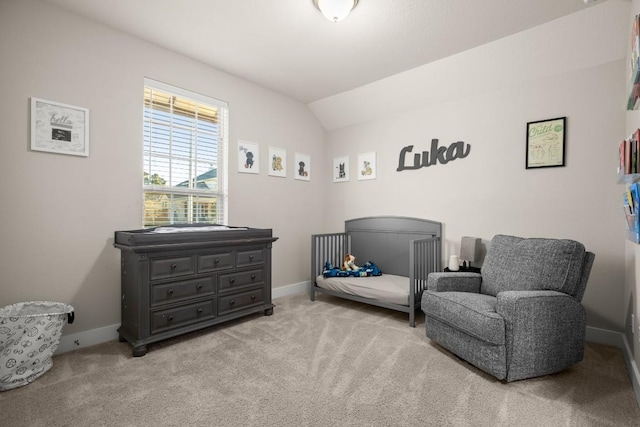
column 521, row 317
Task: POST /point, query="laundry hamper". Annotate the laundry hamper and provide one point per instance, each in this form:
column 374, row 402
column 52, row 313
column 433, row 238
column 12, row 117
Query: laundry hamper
column 29, row 335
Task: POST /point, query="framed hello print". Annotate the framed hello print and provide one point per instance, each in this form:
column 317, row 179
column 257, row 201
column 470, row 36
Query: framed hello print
column 59, row 128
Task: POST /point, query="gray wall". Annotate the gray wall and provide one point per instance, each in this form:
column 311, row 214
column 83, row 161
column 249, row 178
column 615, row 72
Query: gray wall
column 59, row 212
column 485, row 97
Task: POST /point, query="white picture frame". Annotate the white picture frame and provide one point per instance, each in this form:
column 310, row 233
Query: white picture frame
column 302, row 167
column 59, row 128
column 340, row 171
column 248, row 157
column 367, row 166
column 277, row 162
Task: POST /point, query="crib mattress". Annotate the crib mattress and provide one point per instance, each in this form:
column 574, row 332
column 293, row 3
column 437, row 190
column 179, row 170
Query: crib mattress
column 388, row 287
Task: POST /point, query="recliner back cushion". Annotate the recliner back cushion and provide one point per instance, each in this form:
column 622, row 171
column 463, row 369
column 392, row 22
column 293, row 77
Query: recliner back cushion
column 515, row 263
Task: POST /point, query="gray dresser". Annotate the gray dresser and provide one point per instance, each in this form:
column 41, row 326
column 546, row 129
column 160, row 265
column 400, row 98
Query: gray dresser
column 176, row 281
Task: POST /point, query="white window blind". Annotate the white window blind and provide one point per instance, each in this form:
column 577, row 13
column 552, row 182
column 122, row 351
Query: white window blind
column 185, row 166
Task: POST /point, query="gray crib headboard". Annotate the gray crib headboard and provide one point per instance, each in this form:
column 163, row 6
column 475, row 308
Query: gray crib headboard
column 384, row 240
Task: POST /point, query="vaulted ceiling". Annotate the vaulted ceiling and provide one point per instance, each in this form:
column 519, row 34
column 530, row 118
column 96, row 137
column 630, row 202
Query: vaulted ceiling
column 289, row 47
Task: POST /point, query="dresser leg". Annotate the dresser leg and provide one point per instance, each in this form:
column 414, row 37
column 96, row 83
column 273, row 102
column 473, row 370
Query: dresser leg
column 139, row 350
column 268, row 311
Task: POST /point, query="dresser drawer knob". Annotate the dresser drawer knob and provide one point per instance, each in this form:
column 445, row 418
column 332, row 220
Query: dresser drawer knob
column 232, row 302
column 199, row 311
column 199, row 286
column 250, row 257
column 232, row 281
column 170, row 292
column 170, row 318
column 253, row 297
column 216, row 261
column 253, row 277
column 173, row 266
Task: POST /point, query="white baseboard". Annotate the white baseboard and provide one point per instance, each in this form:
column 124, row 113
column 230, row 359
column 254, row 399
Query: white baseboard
column 87, row 338
column 294, row 289
column 605, row 337
column 632, row 368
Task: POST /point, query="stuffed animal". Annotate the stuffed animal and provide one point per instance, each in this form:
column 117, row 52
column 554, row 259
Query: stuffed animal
column 368, row 269
column 349, row 263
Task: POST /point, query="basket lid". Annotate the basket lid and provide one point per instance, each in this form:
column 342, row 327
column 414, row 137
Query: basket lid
column 35, row 308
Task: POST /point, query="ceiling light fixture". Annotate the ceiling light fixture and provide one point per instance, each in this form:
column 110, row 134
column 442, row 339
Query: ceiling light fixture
column 335, row 10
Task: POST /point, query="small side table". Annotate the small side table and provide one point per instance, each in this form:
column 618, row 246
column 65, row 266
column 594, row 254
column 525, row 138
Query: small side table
column 463, row 270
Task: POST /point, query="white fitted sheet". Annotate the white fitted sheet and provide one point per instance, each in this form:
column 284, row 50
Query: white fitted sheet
column 388, row 287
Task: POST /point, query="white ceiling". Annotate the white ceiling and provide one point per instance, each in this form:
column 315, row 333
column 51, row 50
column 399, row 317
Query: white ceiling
column 289, row 47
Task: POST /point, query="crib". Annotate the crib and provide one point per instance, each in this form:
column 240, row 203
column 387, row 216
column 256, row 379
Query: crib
column 405, row 249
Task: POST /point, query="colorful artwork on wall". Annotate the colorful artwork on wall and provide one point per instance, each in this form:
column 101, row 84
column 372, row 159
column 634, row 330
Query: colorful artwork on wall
column 367, row 167
column 277, row 162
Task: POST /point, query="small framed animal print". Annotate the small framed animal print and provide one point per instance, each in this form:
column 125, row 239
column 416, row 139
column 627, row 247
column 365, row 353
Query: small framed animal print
column 248, row 157
column 341, row 169
column 302, row 167
column 367, row 166
column 277, row 162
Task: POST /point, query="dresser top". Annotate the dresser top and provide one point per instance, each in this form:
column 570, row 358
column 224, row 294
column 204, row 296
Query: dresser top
column 181, row 234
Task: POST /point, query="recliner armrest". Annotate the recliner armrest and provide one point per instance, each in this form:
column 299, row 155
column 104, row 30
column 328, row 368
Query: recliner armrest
column 454, row 282
column 550, row 310
column 545, row 331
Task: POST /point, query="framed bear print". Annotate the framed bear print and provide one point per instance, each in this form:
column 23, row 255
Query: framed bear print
column 367, row 166
column 277, row 162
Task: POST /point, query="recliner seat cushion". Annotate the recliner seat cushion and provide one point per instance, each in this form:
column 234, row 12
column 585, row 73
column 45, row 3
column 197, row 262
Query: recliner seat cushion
column 473, row 314
column 515, row 263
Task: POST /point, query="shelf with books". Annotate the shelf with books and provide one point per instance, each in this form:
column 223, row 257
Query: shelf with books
column 628, row 178
column 629, row 154
column 631, row 207
column 629, row 175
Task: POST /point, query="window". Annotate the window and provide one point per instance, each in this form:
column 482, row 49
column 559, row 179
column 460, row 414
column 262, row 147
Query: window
column 185, row 167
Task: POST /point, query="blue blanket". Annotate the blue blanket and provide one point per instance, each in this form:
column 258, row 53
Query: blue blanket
column 368, row 269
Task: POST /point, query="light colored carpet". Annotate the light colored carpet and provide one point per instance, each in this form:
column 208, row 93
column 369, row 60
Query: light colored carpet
column 325, row 363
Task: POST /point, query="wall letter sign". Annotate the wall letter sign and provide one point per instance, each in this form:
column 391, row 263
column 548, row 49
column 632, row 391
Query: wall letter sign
column 457, row 150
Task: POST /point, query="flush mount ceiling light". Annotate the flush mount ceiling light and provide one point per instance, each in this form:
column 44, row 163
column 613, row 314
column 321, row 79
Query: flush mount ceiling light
column 335, row 10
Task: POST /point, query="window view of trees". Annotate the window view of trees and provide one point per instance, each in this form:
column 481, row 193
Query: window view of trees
column 181, row 160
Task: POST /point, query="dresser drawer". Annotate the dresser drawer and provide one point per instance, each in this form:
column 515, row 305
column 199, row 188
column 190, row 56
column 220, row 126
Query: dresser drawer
column 177, row 291
column 251, row 257
column 163, row 268
column 234, row 302
column 239, row 280
column 182, row 316
column 215, row 261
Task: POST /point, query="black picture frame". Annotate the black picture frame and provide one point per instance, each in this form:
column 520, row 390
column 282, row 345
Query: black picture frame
column 546, row 143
